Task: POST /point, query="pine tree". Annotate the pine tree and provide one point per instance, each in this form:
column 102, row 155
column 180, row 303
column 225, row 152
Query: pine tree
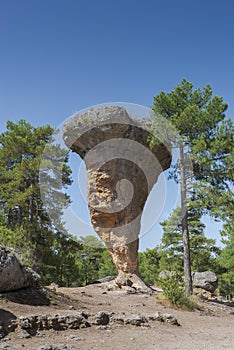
column 226, row 259
column 149, row 265
column 202, row 249
column 199, row 120
column 23, row 214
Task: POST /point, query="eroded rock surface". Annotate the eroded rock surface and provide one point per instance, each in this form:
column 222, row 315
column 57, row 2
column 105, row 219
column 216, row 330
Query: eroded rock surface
column 206, row 280
column 13, row 275
column 122, row 170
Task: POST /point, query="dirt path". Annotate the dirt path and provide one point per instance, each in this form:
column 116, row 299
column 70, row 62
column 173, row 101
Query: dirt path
column 209, row 329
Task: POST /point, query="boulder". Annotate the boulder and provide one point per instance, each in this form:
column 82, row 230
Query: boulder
column 13, row 275
column 166, row 273
column 206, row 280
column 170, row 274
column 122, row 168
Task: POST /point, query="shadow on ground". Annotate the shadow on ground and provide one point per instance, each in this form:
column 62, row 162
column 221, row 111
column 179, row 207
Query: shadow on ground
column 35, row 296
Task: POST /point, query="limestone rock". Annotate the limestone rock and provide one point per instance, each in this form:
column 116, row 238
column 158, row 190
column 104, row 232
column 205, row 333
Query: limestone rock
column 102, row 318
column 135, row 320
column 121, row 169
column 58, row 347
column 33, row 325
column 206, row 280
column 164, row 317
column 13, row 275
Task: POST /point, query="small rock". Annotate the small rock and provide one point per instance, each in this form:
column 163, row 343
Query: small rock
column 103, row 327
column 53, row 286
column 169, row 318
column 157, row 317
column 71, row 307
column 130, row 290
column 45, row 347
column 118, row 319
column 101, row 318
column 24, row 335
column 161, row 317
column 6, row 339
column 58, row 347
column 135, row 320
column 75, row 337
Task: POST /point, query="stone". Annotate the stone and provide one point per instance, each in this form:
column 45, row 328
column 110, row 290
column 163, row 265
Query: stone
column 33, row 324
column 58, row 347
column 119, row 319
column 132, row 319
column 53, row 286
column 121, row 171
column 206, row 280
column 71, row 307
column 8, row 323
column 75, row 337
column 169, row 318
column 102, row 280
column 45, row 347
column 135, row 320
column 24, row 335
column 106, row 279
column 164, row 317
column 102, row 318
column 158, row 316
column 13, row 275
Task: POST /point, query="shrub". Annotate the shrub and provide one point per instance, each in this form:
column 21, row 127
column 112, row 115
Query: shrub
column 174, row 291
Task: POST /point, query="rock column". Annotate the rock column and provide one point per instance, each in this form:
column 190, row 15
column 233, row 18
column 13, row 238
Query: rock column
column 121, row 169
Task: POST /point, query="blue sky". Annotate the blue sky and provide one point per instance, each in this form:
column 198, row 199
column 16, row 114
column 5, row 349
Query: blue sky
column 60, row 56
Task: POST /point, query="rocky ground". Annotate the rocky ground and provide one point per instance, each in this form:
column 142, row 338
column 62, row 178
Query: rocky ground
column 94, row 317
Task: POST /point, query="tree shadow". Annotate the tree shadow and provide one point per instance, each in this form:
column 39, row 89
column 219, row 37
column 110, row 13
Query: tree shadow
column 35, row 296
column 219, row 302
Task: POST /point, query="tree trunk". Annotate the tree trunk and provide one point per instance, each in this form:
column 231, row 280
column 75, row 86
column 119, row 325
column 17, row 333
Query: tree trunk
column 30, row 218
column 19, row 216
column 184, row 223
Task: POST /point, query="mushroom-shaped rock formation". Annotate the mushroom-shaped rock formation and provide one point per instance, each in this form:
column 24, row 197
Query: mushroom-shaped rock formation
column 121, row 170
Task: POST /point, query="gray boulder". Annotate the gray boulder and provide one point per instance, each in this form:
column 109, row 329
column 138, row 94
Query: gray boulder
column 13, row 275
column 206, row 280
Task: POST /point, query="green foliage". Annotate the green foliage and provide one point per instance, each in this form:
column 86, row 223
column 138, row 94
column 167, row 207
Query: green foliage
column 226, row 259
column 202, row 249
column 25, row 224
column 226, row 284
column 205, row 138
column 213, row 168
column 149, row 265
column 94, row 260
column 106, row 266
column 190, row 111
column 89, row 258
column 174, row 291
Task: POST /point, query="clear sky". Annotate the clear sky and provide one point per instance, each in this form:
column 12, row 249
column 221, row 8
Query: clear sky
column 60, row 56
